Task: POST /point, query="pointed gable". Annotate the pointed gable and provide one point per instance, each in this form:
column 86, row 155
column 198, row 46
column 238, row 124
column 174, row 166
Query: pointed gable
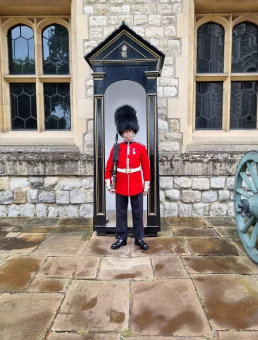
column 125, row 46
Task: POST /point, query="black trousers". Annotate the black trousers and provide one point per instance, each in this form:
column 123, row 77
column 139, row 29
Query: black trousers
column 121, row 216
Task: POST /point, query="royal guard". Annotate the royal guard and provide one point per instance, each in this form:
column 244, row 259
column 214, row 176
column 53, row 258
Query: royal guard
column 131, row 177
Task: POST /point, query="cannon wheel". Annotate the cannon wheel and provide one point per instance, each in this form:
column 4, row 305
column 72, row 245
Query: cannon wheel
column 246, row 202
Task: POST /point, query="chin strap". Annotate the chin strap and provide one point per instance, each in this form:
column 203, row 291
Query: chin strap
column 116, row 139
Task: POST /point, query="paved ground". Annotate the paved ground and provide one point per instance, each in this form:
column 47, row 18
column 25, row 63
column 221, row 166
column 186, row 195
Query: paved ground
column 60, row 282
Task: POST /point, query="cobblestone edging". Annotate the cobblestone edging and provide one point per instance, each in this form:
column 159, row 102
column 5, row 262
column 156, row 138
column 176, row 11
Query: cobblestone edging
column 197, row 196
column 46, row 196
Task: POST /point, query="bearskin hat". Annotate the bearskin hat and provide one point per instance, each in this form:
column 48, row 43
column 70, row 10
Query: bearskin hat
column 126, row 119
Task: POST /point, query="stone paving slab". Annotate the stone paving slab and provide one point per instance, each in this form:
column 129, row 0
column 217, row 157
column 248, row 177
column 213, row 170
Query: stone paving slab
column 222, row 221
column 230, row 301
column 67, row 267
column 16, row 272
column 101, row 246
column 94, row 305
column 194, row 232
column 220, row 264
column 237, row 335
column 168, row 267
column 79, row 222
column 64, row 336
column 211, row 246
column 238, row 243
column 113, row 268
column 3, row 256
column 227, row 231
column 61, row 244
column 48, row 285
column 25, row 242
column 39, row 229
column 166, row 338
column 162, row 246
column 191, row 222
column 27, row 316
column 167, row 308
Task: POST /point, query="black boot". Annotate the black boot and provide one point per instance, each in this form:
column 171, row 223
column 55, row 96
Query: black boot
column 143, row 245
column 119, row 243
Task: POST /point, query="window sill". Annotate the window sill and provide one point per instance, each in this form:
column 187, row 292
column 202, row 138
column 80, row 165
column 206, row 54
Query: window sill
column 37, row 138
column 221, row 141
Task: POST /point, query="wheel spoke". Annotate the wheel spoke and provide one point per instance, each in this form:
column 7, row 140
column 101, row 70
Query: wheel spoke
column 243, row 193
column 253, row 172
column 251, row 242
column 248, row 182
column 247, row 225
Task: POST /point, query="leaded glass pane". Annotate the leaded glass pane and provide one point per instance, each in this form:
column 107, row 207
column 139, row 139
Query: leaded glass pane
column 57, row 106
column 55, row 42
column 244, row 48
column 209, row 105
column 243, row 110
column 210, row 48
column 23, row 106
column 21, row 50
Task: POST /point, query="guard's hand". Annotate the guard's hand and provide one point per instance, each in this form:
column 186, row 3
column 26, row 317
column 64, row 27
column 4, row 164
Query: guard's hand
column 145, row 193
column 112, row 191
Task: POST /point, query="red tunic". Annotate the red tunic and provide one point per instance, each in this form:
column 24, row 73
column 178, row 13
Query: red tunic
column 131, row 155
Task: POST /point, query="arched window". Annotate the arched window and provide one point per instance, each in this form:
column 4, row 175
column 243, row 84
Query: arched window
column 55, row 44
column 244, row 48
column 210, row 59
column 21, row 50
column 210, row 48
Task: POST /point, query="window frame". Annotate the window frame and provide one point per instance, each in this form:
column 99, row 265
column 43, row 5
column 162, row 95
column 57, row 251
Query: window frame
column 228, row 22
column 38, row 25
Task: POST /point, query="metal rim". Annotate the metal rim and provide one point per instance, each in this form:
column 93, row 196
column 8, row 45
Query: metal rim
column 246, row 191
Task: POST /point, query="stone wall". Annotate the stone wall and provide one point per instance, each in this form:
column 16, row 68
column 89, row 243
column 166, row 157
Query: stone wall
column 155, row 21
column 46, row 196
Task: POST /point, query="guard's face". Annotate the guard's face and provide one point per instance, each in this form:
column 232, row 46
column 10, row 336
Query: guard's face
column 128, row 135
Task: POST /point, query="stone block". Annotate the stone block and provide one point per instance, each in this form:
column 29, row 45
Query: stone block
column 50, row 183
column 154, row 20
column 69, row 184
column 200, row 184
column 27, row 210
column 149, row 8
column 41, row 210
column 86, row 210
column 200, row 209
column 164, row 9
column 20, row 196
column 19, row 182
column 154, row 32
column 126, row 9
column 87, row 183
column 137, row 9
column 177, row 8
column 6, row 197
column 52, row 211
column 36, row 182
column 168, row 146
column 209, row 196
column 182, row 182
column 170, row 91
column 13, row 210
column 218, row 209
column 90, row 196
column 4, row 183
column 168, row 209
column 47, row 197
column 140, row 19
column 217, row 183
column 224, row 195
column 173, row 136
column 3, row 210
column 162, row 125
column 166, row 183
column 230, row 209
column 161, row 195
column 68, row 211
column 77, row 196
column 190, row 196
column 230, row 183
column 184, row 209
column 168, row 20
column 62, row 197
column 172, row 195
column 170, row 31
column 96, row 21
column 33, row 195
